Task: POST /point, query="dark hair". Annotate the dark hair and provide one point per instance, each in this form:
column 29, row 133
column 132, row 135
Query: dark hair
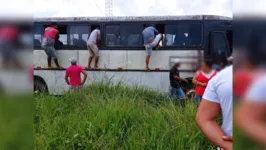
column 208, row 62
column 73, row 63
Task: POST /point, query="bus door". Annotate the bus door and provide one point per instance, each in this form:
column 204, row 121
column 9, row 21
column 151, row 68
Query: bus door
column 219, row 43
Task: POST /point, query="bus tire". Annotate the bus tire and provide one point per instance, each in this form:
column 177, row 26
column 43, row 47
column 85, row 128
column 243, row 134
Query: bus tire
column 40, row 85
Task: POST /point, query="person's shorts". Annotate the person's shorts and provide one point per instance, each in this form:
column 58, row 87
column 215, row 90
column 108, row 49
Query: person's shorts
column 150, row 46
column 48, row 46
column 93, row 49
column 7, row 51
column 75, row 88
column 176, row 92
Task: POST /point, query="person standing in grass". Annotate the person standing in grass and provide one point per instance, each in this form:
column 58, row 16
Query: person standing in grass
column 175, row 79
column 73, row 72
column 93, row 48
column 201, row 79
column 152, row 38
column 217, row 98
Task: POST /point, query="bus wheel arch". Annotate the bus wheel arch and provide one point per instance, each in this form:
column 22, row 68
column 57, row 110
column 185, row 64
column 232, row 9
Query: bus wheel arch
column 40, row 85
column 189, row 88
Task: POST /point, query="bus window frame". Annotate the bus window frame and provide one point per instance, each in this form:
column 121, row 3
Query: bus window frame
column 186, row 46
column 211, row 49
column 121, row 46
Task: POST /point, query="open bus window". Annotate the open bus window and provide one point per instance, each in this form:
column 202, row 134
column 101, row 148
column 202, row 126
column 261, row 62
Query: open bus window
column 183, row 35
column 62, row 33
column 79, row 35
column 38, row 33
column 219, row 44
column 123, row 35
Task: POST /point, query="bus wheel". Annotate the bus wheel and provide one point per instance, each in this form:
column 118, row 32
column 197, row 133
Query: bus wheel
column 191, row 94
column 40, row 86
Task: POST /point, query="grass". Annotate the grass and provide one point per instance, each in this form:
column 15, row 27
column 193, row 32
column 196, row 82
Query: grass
column 106, row 116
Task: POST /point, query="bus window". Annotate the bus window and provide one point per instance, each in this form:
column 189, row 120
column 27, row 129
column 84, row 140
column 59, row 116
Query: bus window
column 62, row 33
column 229, row 35
column 219, row 44
column 38, row 33
column 183, row 35
column 123, row 35
column 79, row 35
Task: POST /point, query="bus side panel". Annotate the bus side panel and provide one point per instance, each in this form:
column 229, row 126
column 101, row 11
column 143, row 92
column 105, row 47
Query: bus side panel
column 158, row 81
column 113, row 59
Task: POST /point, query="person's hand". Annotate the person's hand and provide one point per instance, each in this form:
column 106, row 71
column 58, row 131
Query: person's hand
column 230, row 140
column 204, row 84
column 227, row 138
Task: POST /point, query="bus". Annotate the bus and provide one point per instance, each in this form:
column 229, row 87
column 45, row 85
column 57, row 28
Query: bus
column 187, row 39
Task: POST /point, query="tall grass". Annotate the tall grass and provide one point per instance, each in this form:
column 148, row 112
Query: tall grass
column 104, row 116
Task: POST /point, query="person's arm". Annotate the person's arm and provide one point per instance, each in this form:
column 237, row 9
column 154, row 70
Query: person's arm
column 179, row 78
column 208, row 111
column 85, row 76
column 250, row 114
column 250, row 117
column 99, row 35
column 66, row 78
column 205, row 118
column 195, row 81
column 156, row 31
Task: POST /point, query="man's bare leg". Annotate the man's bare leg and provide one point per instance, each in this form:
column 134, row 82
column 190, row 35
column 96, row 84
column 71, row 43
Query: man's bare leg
column 147, row 63
column 96, row 62
column 49, row 61
column 57, row 63
column 89, row 62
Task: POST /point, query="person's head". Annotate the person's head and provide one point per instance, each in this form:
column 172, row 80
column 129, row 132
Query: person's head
column 206, row 65
column 177, row 64
column 54, row 24
column 73, row 61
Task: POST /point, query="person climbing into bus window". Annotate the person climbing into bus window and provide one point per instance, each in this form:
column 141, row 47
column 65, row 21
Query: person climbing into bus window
column 9, row 35
column 201, row 79
column 175, row 79
column 73, row 72
column 93, row 48
column 51, row 36
column 152, row 38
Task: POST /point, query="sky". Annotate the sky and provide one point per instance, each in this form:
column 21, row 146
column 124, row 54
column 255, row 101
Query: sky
column 86, row 8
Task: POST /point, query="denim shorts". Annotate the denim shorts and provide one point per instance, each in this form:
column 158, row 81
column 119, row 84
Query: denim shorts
column 48, row 46
column 150, row 46
column 176, row 92
column 198, row 99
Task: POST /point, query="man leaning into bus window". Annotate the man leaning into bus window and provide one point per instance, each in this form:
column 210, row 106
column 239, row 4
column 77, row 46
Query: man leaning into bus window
column 217, row 98
column 51, row 36
column 93, row 48
column 152, row 39
column 73, row 72
column 175, row 79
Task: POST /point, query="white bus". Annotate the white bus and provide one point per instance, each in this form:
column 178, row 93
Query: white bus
column 122, row 54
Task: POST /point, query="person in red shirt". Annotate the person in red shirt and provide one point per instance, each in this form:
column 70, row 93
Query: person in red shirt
column 50, row 37
column 73, row 72
column 201, row 79
column 9, row 35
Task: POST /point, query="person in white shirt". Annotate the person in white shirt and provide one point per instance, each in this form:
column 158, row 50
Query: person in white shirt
column 250, row 114
column 218, row 97
column 93, row 48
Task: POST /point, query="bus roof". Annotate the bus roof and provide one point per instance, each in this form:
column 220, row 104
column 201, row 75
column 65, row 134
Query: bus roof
column 132, row 18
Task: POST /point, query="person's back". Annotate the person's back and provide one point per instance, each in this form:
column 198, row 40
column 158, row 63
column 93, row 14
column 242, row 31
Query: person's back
column 50, row 32
column 74, row 72
column 149, row 34
column 94, row 35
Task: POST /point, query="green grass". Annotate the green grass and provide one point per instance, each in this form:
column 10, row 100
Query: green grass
column 116, row 117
